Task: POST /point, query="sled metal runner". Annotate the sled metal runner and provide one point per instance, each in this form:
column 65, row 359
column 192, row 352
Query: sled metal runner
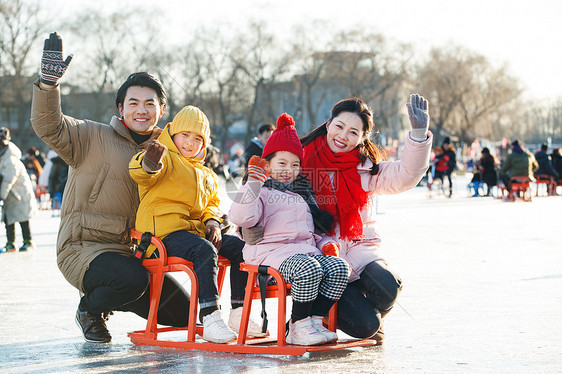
column 153, row 335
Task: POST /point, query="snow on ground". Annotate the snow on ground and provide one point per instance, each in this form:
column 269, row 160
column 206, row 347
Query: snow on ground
column 482, row 281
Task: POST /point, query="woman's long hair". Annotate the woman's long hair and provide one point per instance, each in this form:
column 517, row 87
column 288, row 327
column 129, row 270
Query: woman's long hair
column 367, row 149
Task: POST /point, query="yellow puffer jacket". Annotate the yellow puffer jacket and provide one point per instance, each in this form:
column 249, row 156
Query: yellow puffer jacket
column 180, row 196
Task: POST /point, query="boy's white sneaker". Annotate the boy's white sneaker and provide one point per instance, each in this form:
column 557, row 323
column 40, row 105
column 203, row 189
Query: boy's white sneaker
column 331, row 336
column 303, row 332
column 215, row 330
column 254, row 329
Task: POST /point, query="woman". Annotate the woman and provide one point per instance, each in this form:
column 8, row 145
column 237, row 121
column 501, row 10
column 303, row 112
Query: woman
column 347, row 171
column 488, row 165
column 16, row 194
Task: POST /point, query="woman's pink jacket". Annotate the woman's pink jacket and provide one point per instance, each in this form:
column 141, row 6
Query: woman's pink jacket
column 393, row 177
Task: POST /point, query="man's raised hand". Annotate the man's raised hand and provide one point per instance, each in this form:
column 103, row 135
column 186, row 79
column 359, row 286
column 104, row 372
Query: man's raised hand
column 52, row 64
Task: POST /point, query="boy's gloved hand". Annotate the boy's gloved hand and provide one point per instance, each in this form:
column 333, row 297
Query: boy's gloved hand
column 419, row 117
column 52, row 64
column 257, row 169
column 331, row 249
column 152, row 160
column 213, row 233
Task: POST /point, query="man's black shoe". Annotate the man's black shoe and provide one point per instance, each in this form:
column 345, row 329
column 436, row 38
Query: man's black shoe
column 93, row 327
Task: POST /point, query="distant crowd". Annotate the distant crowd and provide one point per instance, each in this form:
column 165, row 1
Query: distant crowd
column 490, row 171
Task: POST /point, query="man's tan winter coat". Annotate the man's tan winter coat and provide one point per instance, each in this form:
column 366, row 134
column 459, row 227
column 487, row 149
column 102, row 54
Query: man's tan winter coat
column 100, row 200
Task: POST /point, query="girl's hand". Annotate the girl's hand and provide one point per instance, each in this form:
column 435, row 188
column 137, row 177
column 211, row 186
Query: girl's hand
column 252, row 235
column 331, row 249
column 213, row 233
column 419, row 116
column 257, row 169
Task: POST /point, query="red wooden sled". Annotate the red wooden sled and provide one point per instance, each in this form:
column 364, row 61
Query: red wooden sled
column 152, row 335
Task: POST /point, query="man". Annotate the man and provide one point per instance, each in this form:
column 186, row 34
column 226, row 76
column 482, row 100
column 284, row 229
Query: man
column 545, row 162
column 255, row 148
column 449, row 151
column 519, row 163
column 94, row 249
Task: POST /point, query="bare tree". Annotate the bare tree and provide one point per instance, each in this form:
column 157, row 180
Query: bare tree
column 309, row 70
column 22, row 23
column 110, row 46
column 223, row 90
column 184, row 72
column 444, row 80
column 368, row 66
column 542, row 121
column 261, row 57
column 492, row 89
column 469, row 97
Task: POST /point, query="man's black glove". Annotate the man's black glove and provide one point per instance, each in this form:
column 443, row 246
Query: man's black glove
column 52, row 65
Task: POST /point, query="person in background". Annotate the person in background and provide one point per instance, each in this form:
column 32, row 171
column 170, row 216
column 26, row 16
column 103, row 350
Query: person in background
column 488, row 167
column 58, row 176
column 519, row 163
column 546, row 171
column 440, row 167
column 449, row 151
column 16, row 194
column 213, row 160
column 556, row 157
column 255, row 148
column 34, row 162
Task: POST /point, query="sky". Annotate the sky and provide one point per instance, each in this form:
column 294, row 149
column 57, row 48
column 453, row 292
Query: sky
column 525, row 35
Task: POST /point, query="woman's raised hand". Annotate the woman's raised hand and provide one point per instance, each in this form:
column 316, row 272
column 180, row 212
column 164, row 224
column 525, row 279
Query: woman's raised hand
column 419, row 116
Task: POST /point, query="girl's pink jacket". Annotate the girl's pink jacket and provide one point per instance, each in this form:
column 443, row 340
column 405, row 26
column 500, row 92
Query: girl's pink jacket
column 285, row 217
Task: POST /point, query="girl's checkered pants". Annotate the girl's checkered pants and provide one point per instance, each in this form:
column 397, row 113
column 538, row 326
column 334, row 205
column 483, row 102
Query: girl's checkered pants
column 313, row 274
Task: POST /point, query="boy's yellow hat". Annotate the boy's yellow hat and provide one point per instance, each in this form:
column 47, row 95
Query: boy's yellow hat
column 192, row 119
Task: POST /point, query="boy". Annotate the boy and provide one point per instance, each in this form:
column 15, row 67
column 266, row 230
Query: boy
column 179, row 204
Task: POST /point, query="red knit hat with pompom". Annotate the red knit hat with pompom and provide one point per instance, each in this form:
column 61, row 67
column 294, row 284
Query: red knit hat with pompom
column 284, row 138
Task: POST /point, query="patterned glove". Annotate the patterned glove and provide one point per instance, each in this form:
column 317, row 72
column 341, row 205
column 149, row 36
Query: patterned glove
column 153, row 156
column 419, row 117
column 331, row 249
column 52, row 65
column 257, row 170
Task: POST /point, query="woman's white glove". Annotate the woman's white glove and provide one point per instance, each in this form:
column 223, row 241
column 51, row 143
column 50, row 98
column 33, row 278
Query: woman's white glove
column 419, row 117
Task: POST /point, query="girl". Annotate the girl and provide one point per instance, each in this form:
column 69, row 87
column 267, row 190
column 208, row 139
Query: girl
column 285, row 206
column 346, row 171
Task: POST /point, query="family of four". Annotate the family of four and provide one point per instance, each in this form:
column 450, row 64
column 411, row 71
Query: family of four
column 312, row 198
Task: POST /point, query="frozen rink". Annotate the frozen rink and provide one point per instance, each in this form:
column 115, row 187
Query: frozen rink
column 482, row 294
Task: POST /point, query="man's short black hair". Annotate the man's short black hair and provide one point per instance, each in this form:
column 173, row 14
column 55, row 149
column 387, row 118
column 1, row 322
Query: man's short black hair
column 141, row 79
column 544, row 147
column 266, row 127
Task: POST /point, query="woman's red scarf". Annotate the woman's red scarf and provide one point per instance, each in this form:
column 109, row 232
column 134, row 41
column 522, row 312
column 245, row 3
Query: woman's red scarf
column 346, row 198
